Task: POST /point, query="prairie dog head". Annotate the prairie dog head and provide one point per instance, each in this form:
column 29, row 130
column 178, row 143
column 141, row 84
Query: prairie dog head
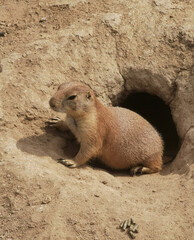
column 73, row 98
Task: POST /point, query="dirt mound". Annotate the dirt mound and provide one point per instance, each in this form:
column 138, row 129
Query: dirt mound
column 118, row 48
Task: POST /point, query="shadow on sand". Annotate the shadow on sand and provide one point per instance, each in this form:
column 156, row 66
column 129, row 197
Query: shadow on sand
column 52, row 143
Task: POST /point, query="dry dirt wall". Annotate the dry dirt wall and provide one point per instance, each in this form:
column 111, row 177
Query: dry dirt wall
column 116, row 47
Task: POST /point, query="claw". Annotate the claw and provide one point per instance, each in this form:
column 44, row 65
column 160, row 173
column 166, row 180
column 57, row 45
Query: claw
column 67, row 162
column 139, row 171
column 131, row 172
column 60, row 160
column 136, row 171
column 52, row 122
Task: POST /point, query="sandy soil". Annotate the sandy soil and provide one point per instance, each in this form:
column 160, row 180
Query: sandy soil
column 42, row 199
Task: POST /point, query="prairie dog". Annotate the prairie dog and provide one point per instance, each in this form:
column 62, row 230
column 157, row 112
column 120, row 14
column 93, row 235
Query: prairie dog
column 120, row 138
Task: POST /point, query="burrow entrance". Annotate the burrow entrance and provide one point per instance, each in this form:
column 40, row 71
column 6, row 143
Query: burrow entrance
column 159, row 115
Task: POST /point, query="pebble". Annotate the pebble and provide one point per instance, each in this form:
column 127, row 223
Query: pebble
column 46, row 200
column 41, row 208
column 104, row 182
column 43, row 19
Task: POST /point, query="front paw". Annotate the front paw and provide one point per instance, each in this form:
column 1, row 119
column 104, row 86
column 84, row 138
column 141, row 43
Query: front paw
column 52, row 122
column 68, row 163
column 136, row 171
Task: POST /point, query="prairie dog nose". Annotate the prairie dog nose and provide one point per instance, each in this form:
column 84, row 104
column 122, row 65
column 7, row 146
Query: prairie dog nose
column 52, row 103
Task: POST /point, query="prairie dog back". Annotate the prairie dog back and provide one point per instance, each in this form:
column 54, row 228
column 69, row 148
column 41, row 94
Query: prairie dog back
column 134, row 141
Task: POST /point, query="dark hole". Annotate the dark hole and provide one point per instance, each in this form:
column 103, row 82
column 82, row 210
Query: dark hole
column 159, row 115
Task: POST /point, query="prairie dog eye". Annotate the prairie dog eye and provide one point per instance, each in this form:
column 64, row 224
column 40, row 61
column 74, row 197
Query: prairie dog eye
column 88, row 95
column 71, row 97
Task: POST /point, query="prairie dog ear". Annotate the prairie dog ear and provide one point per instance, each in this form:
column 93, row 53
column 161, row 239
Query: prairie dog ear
column 88, row 95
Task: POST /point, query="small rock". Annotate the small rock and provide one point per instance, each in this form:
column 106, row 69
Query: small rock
column 96, row 195
column 104, row 182
column 43, row 19
column 1, row 69
column 28, row 52
column 41, row 208
column 30, row 225
column 46, row 200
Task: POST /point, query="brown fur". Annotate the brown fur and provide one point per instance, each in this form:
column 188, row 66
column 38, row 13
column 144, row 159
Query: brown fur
column 119, row 137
